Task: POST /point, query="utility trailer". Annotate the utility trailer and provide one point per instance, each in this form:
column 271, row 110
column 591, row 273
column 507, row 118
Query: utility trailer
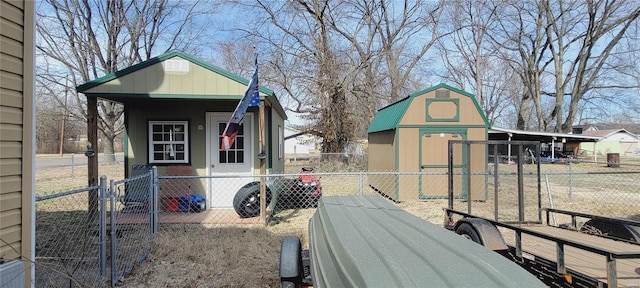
column 602, row 252
column 562, row 255
column 366, row 241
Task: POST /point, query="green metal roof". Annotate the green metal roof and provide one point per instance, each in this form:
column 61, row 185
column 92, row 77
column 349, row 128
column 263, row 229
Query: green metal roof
column 389, row 117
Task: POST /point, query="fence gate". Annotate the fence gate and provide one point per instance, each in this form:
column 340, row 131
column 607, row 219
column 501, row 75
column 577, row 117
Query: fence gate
column 500, row 179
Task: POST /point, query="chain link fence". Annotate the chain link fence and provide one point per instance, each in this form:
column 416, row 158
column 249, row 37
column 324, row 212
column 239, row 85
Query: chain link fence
column 67, row 240
column 85, row 243
column 74, row 249
column 514, row 184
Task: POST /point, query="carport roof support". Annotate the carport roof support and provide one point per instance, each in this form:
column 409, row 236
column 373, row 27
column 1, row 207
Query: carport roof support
column 547, row 137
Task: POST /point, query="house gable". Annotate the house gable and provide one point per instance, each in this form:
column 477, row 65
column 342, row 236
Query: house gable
column 404, row 112
column 174, row 75
column 170, row 73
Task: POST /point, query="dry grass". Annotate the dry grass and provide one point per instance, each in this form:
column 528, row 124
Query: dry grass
column 211, row 257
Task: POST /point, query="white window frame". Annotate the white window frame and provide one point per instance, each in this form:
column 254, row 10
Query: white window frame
column 171, row 142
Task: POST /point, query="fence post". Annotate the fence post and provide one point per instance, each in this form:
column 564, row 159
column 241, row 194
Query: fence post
column 570, row 178
column 102, row 238
column 361, row 183
column 113, row 226
column 154, row 200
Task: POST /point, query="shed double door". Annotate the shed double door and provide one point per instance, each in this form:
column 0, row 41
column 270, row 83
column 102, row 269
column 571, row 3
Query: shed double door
column 434, row 161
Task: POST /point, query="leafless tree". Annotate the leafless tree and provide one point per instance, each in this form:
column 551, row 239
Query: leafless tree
column 82, row 40
column 337, row 62
column 582, row 39
column 563, row 52
column 468, row 58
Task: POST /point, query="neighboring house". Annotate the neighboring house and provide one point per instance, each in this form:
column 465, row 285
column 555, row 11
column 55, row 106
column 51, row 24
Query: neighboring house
column 612, row 141
column 17, row 150
column 176, row 109
column 298, row 144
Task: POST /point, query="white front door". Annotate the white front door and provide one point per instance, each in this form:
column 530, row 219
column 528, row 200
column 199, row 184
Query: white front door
column 237, row 161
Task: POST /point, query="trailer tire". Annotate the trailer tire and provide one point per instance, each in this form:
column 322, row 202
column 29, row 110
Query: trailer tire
column 291, row 265
column 482, row 232
column 246, row 202
column 468, row 232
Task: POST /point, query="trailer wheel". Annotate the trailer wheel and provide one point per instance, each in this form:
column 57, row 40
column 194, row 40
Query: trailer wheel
column 291, row 266
column 468, row 232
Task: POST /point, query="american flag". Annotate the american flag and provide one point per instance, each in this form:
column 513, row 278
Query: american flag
column 251, row 98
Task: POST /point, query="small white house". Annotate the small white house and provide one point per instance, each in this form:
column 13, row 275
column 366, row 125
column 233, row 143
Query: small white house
column 612, row 141
column 300, row 145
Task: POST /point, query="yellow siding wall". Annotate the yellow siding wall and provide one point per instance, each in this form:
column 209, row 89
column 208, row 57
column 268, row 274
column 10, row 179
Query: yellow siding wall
column 384, row 144
column 154, row 80
column 383, row 159
column 408, row 161
column 417, row 110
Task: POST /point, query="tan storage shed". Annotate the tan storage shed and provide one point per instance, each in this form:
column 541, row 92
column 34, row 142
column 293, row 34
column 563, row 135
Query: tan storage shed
column 412, row 136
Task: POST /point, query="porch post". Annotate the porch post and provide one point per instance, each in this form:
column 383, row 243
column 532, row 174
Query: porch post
column 92, row 158
column 263, row 167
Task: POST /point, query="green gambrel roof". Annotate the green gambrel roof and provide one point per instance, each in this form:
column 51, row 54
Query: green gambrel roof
column 155, row 60
column 389, row 117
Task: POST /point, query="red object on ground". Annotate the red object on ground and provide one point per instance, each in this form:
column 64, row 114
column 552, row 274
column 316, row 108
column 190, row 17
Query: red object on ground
column 172, row 205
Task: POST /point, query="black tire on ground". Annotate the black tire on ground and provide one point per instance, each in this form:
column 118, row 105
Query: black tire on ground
column 468, row 232
column 246, row 202
column 291, row 265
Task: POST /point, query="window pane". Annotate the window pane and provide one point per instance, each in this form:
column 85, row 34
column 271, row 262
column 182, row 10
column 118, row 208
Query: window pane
column 223, row 156
column 221, row 127
column 167, row 141
column 232, row 157
column 240, row 157
column 241, row 130
column 240, row 140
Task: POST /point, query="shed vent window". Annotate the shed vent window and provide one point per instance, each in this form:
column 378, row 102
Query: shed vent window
column 176, row 66
column 442, row 93
column 168, row 142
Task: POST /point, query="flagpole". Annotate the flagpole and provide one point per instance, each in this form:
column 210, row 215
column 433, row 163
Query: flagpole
column 262, row 156
column 263, row 168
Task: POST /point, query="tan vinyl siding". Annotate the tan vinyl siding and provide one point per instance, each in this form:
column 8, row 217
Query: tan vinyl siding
column 16, row 78
column 10, row 115
column 10, row 98
column 9, row 200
